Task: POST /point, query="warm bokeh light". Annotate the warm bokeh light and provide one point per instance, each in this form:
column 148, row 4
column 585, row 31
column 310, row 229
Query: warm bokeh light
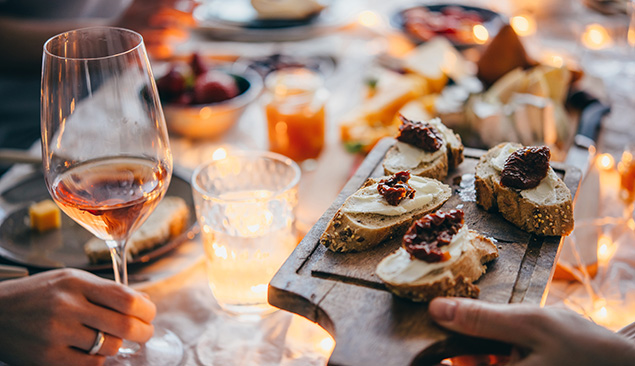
column 326, row 345
column 481, row 35
column 606, row 161
column 606, row 249
column 220, row 153
column 311, row 334
column 596, row 37
column 369, row 19
column 553, row 59
column 524, row 25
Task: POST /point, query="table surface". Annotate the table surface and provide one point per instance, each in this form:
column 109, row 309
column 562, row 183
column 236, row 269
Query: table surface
column 178, row 283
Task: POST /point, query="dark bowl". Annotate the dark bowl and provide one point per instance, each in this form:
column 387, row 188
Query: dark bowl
column 492, row 21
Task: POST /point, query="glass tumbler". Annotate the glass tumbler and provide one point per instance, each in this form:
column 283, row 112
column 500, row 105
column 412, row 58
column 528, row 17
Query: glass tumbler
column 294, row 103
column 245, row 206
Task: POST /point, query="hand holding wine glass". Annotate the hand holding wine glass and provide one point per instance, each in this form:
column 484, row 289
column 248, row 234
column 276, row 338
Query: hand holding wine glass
column 106, row 155
column 49, row 318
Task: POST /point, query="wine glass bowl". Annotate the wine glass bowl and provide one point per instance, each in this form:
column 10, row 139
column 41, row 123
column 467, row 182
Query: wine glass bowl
column 106, row 155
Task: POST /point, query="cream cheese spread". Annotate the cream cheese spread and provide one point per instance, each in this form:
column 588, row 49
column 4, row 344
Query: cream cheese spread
column 400, row 268
column 498, row 162
column 369, row 200
column 448, row 136
column 544, row 193
column 410, row 157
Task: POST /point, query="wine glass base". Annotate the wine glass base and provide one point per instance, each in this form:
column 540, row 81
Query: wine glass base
column 242, row 340
column 163, row 349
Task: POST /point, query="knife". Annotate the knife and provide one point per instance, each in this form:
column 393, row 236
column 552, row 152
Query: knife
column 593, row 111
column 8, row 272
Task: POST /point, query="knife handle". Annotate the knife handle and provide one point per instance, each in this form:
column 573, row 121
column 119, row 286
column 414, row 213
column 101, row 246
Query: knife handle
column 8, row 272
column 591, row 119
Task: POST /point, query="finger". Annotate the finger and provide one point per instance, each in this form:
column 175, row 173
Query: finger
column 84, row 338
column 503, row 322
column 116, row 324
column 122, row 299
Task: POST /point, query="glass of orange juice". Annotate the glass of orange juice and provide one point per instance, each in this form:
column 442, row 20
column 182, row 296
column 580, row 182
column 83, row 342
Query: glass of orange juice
column 295, row 109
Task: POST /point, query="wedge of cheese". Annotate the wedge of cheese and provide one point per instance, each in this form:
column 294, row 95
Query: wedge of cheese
column 45, row 215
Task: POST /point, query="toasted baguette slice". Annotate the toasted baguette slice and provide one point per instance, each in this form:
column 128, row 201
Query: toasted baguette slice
column 454, row 279
column 357, row 231
column 435, row 165
column 554, row 218
column 168, row 220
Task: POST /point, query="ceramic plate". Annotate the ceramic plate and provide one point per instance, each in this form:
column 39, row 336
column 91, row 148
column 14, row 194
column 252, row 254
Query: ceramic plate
column 63, row 247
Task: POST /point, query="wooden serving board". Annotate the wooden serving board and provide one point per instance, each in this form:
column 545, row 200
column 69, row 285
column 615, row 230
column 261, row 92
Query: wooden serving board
column 341, row 292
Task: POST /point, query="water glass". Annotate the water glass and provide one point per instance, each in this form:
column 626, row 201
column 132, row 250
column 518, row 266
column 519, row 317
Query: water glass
column 245, row 206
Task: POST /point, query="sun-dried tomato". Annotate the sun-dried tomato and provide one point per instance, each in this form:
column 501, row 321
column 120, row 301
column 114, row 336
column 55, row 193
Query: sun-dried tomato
column 396, row 188
column 426, row 236
column 421, row 135
column 526, row 167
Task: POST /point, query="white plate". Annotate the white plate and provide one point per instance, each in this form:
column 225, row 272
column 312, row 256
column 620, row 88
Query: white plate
column 236, row 20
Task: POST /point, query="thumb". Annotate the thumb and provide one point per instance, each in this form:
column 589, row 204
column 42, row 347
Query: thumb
column 502, row 322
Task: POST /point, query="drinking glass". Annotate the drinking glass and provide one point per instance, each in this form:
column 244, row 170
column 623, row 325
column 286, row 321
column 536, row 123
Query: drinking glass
column 106, row 156
column 245, row 205
column 295, row 102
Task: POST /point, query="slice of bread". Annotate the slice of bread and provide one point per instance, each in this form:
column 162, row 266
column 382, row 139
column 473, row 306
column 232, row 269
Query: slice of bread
column 403, row 156
column 350, row 231
column 168, row 220
column 454, row 279
column 553, row 217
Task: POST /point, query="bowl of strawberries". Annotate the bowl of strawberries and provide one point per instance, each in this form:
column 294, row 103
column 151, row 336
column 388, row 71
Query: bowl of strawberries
column 202, row 99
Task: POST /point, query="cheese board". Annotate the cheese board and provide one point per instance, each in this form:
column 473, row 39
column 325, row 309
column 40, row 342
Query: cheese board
column 341, row 292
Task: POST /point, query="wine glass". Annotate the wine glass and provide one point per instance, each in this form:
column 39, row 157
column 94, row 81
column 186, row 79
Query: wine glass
column 106, row 154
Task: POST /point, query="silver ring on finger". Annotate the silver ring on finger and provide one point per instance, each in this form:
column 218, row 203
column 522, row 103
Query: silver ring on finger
column 99, row 342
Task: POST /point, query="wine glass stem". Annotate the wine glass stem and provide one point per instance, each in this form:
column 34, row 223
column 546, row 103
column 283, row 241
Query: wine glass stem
column 119, row 260
column 119, row 265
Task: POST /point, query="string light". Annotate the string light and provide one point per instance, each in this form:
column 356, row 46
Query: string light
column 481, row 35
column 596, row 37
column 524, row 25
column 368, row 19
column 606, row 161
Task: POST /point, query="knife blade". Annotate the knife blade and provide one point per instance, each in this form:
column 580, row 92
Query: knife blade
column 8, row 272
column 593, row 111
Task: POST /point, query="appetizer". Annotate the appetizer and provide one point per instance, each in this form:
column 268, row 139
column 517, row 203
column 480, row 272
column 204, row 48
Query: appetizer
column 519, row 183
column 439, row 256
column 427, row 149
column 381, row 209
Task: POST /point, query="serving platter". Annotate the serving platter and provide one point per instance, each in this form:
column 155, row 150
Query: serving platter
column 341, row 292
column 64, row 247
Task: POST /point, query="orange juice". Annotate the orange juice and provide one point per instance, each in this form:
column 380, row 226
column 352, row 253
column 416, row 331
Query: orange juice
column 295, row 113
